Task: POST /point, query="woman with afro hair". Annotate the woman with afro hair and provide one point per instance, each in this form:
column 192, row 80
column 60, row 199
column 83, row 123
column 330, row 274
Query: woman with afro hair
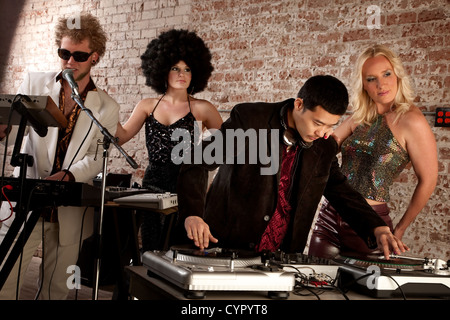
column 176, row 65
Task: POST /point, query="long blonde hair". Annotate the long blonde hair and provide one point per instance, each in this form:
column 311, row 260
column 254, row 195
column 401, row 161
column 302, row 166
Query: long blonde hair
column 364, row 109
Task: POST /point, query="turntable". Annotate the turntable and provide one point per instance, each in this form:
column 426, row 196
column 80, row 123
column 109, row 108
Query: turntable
column 399, row 276
column 218, row 269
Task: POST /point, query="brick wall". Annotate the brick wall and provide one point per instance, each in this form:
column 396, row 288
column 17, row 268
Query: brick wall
column 264, row 50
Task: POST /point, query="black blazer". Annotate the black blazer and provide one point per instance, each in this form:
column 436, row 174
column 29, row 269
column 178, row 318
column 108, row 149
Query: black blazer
column 241, row 201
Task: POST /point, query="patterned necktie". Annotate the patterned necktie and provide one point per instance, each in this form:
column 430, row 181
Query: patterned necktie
column 278, row 224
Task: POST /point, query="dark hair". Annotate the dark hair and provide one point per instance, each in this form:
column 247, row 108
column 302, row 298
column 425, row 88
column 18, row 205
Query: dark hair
column 89, row 28
column 168, row 49
column 325, row 91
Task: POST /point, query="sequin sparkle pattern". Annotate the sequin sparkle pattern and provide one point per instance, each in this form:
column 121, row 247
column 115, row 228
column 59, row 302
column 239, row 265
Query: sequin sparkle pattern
column 372, row 158
column 162, row 172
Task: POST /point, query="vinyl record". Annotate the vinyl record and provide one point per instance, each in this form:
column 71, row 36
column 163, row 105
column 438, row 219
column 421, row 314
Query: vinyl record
column 394, row 262
column 214, row 252
column 214, row 256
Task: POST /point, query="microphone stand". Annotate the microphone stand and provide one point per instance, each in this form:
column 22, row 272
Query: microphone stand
column 107, row 140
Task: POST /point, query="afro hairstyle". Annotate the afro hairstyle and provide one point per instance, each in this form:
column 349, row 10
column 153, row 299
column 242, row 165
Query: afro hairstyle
column 167, row 50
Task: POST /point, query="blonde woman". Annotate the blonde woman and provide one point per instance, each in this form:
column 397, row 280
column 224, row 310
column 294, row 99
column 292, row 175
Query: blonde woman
column 385, row 133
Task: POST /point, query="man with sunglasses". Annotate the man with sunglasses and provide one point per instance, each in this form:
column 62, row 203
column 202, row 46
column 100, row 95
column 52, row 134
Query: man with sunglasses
column 66, row 154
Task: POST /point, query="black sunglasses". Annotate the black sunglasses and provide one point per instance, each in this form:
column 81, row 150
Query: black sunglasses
column 78, row 56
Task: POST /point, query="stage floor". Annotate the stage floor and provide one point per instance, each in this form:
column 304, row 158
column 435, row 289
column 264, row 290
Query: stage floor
column 30, row 287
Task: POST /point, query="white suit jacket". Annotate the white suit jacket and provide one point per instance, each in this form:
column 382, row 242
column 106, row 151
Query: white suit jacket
column 43, row 149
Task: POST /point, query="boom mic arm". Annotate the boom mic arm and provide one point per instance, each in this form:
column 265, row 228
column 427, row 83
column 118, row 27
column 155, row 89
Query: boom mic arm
column 67, row 74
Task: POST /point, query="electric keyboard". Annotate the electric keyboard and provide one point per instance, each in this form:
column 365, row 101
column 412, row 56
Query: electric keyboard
column 42, row 193
column 38, row 193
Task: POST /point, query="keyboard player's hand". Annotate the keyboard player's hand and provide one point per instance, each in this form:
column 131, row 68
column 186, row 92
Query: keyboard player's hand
column 198, row 231
column 61, row 176
column 3, row 131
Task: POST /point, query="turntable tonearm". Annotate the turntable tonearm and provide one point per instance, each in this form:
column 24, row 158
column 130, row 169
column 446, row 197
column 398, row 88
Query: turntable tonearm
column 218, row 269
column 398, row 276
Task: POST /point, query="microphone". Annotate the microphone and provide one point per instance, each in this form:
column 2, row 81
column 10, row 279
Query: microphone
column 67, row 74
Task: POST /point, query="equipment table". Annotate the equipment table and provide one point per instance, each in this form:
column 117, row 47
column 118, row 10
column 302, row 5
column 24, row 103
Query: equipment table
column 144, row 287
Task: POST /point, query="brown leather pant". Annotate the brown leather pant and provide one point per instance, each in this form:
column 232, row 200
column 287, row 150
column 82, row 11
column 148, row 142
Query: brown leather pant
column 331, row 235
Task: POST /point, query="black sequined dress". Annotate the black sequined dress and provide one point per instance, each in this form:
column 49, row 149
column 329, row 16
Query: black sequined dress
column 162, row 171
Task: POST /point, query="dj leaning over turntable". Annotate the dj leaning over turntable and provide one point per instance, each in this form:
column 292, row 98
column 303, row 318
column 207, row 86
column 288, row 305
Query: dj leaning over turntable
column 248, row 207
column 66, row 154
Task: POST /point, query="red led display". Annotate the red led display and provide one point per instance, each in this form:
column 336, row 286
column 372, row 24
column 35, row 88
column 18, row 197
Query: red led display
column 442, row 117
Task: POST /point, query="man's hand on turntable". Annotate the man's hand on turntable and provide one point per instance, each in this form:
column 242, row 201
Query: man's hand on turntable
column 198, row 230
column 388, row 243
